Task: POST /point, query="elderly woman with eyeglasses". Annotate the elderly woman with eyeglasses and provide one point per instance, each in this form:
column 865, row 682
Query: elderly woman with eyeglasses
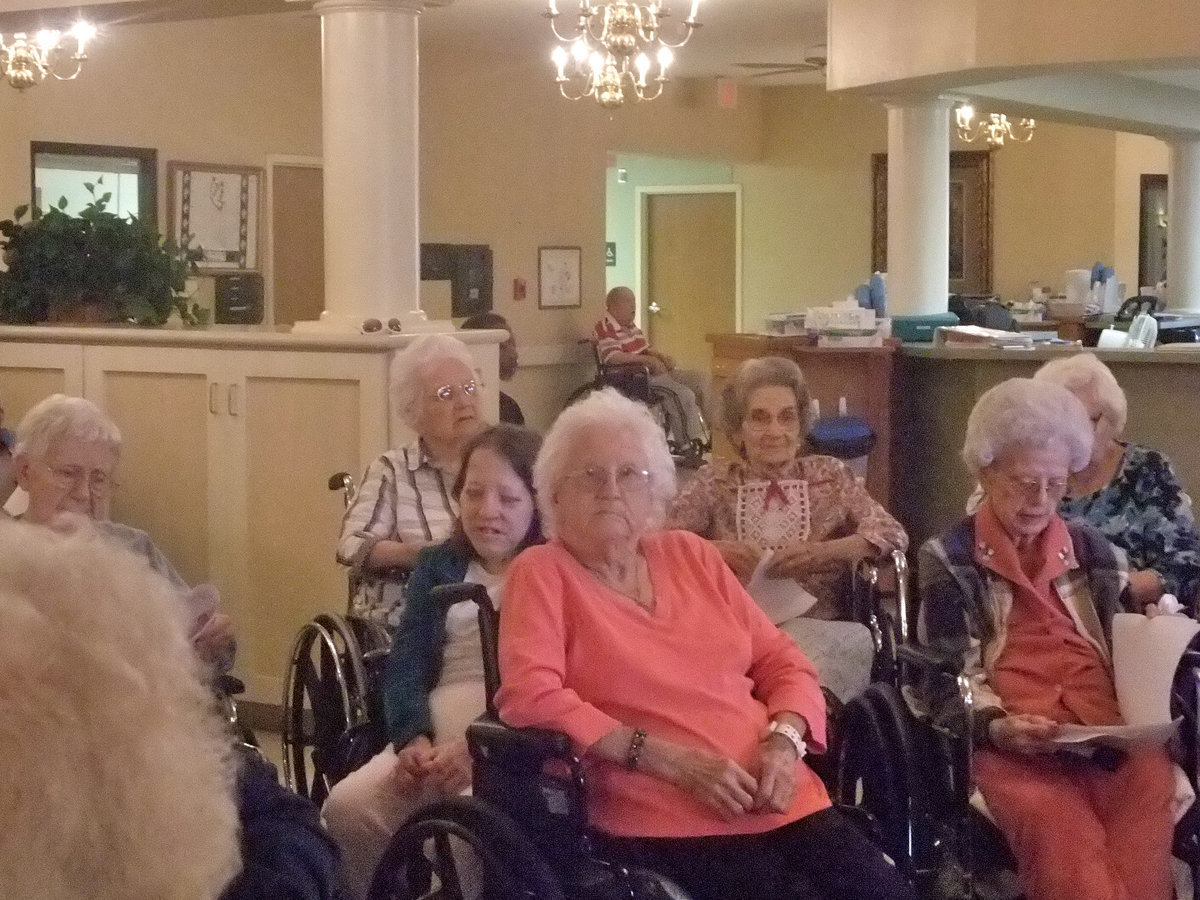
column 1026, row 600
column 809, row 511
column 65, row 459
column 404, row 503
column 691, row 711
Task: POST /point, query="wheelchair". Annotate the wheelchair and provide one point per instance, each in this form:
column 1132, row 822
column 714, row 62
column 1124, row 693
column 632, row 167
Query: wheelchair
column 910, row 779
column 522, row 835
column 332, row 706
column 633, row 381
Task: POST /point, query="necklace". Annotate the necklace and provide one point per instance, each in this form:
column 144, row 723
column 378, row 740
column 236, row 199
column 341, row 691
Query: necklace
column 634, row 592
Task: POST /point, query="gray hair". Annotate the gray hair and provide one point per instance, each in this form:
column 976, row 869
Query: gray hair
column 1082, row 371
column 765, row 371
column 62, row 418
column 96, row 655
column 411, row 364
column 1024, row 412
column 614, row 413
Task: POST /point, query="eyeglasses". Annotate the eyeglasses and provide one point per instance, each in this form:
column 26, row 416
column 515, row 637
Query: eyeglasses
column 760, row 419
column 1032, row 488
column 446, row 392
column 68, row 478
column 596, row 478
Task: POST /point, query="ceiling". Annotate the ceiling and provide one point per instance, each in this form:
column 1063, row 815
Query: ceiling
column 733, row 31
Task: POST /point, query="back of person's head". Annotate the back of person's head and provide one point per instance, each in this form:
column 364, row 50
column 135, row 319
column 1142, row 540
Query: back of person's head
column 517, row 446
column 115, row 778
column 484, row 320
column 59, row 418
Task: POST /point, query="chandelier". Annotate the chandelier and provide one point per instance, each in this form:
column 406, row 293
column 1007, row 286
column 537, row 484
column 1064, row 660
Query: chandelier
column 616, row 50
column 995, row 128
column 26, row 61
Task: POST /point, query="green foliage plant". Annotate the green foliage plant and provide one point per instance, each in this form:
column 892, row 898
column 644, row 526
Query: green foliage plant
column 96, row 266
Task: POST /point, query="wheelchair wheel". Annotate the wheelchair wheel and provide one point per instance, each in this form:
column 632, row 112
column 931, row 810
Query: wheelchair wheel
column 879, row 774
column 462, row 849
column 325, row 706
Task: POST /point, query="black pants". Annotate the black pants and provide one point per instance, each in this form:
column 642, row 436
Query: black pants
column 819, row 857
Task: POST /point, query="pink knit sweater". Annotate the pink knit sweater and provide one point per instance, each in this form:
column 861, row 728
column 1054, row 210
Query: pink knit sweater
column 706, row 669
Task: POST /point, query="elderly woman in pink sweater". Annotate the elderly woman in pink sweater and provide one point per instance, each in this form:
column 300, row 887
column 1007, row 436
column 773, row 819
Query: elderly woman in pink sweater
column 691, row 710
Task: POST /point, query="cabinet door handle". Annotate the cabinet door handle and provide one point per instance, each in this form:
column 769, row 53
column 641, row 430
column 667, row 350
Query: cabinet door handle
column 212, row 397
column 233, row 399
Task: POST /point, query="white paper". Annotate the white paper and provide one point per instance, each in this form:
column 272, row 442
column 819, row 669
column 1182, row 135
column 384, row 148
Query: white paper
column 780, row 598
column 1122, row 737
column 1146, row 653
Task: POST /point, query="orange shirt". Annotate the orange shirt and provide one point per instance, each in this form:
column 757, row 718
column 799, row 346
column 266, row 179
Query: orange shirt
column 1047, row 667
column 706, row 669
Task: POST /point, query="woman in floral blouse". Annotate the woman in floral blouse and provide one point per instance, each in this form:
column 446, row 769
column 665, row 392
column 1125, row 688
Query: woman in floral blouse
column 810, row 512
column 1130, row 493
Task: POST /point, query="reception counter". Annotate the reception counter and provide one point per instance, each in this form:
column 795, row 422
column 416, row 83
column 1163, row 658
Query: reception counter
column 918, row 397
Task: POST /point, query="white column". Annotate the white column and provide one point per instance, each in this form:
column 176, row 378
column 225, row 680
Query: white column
column 370, row 108
column 918, row 221
column 1183, row 225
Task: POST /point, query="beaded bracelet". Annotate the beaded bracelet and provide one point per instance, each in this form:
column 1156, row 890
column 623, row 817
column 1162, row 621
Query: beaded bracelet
column 633, row 757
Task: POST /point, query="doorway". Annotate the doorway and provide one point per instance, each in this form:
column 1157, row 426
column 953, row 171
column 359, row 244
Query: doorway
column 296, row 240
column 690, row 268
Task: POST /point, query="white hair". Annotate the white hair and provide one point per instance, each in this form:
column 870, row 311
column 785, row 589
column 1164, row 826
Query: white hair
column 1024, row 412
column 615, row 414
column 1081, row 371
column 62, row 418
column 116, row 776
column 411, row 364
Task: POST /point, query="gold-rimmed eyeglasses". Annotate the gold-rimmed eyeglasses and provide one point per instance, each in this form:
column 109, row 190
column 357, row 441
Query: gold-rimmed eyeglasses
column 596, row 478
column 447, row 391
column 1032, row 488
column 98, row 482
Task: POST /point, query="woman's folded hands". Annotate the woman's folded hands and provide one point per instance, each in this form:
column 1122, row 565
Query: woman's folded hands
column 445, row 767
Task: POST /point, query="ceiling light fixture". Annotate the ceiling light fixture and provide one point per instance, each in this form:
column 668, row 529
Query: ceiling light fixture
column 995, row 128
column 616, row 50
column 27, row 61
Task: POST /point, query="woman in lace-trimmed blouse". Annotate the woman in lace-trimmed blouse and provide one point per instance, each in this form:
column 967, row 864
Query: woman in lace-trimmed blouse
column 810, row 512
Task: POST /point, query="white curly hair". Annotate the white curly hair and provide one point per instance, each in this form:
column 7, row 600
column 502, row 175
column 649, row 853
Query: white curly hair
column 1026, row 412
column 410, row 365
column 116, row 778
column 1084, row 371
column 62, row 418
column 613, row 413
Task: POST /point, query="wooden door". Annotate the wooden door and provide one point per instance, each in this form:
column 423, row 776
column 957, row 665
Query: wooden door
column 298, row 243
column 691, row 273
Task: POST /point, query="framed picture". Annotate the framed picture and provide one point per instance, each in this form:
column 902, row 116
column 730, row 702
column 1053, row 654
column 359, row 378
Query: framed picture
column 558, row 277
column 219, row 208
column 970, row 219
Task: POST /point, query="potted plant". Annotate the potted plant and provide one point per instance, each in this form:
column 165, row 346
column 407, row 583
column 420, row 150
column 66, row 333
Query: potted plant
column 95, row 267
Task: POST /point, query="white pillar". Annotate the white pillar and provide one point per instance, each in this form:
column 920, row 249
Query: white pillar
column 918, row 220
column 370, row 109
column 1183, row 225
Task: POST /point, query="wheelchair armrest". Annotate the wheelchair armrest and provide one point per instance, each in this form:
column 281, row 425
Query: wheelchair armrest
column 930, row 659
column 518, row 749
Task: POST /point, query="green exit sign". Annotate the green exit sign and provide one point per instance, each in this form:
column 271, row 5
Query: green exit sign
column 610, row 253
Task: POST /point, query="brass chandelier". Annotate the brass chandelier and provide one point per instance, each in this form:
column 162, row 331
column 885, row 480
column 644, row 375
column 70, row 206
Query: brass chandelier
column 995, row 128
column 616, row 50
column 26, row 61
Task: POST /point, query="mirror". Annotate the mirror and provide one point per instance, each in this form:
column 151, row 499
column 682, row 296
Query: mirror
column 130, row 174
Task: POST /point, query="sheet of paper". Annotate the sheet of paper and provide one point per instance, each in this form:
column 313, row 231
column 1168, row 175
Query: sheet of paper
column 1122, row 737
column 1146, row 653
column 780, row 598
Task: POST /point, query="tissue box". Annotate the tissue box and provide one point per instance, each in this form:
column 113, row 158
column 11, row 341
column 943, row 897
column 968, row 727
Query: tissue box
column 919, row 329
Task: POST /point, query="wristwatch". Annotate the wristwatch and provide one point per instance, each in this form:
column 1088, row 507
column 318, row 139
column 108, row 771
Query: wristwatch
column 792, row 734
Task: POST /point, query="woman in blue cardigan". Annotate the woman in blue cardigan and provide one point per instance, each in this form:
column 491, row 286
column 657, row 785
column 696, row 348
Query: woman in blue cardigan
column 433, row 682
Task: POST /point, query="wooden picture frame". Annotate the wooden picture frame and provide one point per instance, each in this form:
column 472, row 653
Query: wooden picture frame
column 970, row 219
column 219, row 208
column 559, row 284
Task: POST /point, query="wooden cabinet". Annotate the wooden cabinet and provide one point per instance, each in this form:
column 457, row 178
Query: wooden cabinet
column 227, row 452
column 863, row 376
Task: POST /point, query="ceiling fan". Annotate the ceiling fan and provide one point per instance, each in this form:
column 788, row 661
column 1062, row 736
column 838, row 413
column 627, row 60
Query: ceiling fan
column 815, row 59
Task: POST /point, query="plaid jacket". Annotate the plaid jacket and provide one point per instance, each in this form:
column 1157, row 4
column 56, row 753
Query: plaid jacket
column 965, row 609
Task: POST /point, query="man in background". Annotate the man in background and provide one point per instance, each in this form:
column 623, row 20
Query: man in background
column 620, row 342
column 510, row 412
